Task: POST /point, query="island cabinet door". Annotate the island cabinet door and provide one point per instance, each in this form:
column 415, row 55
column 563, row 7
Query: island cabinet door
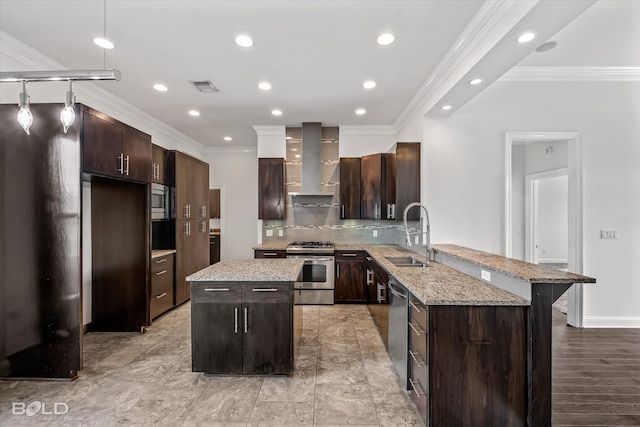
column 267, row 328
column 217, row 329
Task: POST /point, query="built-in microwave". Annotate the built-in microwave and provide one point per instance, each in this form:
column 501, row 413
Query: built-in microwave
column 160, row 201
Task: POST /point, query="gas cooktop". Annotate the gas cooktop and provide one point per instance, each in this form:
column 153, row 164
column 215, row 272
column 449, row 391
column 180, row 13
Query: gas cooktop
column 310, row 247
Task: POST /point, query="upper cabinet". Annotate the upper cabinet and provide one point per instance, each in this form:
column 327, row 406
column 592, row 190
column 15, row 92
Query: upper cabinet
column 378, row 186
column 350, row 187
column 113, row 149
column 190, row 177
column 214, row 203
column 407, row 178
column 271, row 196
column 158, row 164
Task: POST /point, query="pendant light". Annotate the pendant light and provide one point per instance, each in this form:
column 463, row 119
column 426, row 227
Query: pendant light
column 25, row 118
column 68, row 113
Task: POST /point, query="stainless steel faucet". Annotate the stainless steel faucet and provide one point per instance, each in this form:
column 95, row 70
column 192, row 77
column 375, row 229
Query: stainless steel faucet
column 428, row 232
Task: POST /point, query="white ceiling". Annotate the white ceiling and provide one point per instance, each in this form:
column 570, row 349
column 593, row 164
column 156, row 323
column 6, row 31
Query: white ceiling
column 316, row 54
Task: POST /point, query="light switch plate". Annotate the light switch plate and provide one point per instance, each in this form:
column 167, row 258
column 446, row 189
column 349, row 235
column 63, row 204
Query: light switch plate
column 280, row 233
column 486, row 275
column 269, row 233
column 608, row 234
column 375, row 233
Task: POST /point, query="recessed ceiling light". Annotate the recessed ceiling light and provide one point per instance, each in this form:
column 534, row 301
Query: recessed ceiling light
column 246, row 151
column 544, row 47
column 475, row 81
column 264, row 85
column 288, row 138
column 228, row 138
column 276, row 112
column 294, row 149
column 160, row 87
column 385, row 39
column 244, row 41
column 361, row 111
column 369, row 84
column 103, row 43
column 526, row 37
column 194, row 113
column 446, row 107
column 297, row 156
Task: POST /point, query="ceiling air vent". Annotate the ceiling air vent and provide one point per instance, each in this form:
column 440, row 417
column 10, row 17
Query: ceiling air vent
column 205, row 86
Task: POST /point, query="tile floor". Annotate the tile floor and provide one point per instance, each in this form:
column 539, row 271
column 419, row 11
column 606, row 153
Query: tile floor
column 343, row 376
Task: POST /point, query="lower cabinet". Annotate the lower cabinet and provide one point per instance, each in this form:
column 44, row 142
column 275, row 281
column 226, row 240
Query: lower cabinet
column 350, row 277
column 458, row 353
column 162, row 279
column 242, row 328
column 278, row 253
column 378, row 301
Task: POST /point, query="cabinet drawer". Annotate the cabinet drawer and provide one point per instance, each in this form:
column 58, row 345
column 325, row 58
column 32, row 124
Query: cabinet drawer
column 270, row 254
column 266, row 293
column 420, row 398
column 160, row 302
column 418, row 313
column 231, row 293
column 161, row 281
column 350, row 255
column 162, row 263
column 418, row 341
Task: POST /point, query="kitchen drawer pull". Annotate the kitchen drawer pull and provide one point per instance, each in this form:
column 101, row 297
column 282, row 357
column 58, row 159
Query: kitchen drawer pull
column 269, row 254
column 264, row 290
column 415, row 389
column 246, row 319
column 349, row 254
column 415, row 307
column 369, row 277
column 126, row 170
column 342, row 211
column 159, row 273
column 164, row 294
column 160, row 261
column 417, row 331
column 235, row 320
column 121, row 168
column 416, row 356
column 216, row 289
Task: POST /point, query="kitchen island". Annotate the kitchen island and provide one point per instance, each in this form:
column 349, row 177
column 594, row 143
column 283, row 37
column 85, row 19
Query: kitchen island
column 243, row 320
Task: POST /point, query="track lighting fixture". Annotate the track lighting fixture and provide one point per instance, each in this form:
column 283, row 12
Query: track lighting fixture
column 68, row 114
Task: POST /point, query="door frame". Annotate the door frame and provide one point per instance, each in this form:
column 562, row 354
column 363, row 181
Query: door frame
column 575, row 315
column 531, row 210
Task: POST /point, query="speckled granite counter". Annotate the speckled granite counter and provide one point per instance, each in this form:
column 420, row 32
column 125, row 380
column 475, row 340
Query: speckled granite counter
column 531, row 273
column 162, row 252
column 250, row 270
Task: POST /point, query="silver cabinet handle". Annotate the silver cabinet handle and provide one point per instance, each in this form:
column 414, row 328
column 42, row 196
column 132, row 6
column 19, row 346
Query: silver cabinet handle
column 160, row 261
column 216, row 289
column 164, row 294
column 186, row 228
column 414, row 307
column 349, row 254
column 264, row 290
column 189, row 210
column 338, row 271
column 126, row 170
column 393, row 211
column 160, row 273
column 121, row 168
column 380, row 292
column 389, row 210
column 369, row 277
column 416, row 356
column 153, row 171
column 416, row 330
column 235, row 320
column 189, row 228
column 415, row 389
column 186, row 211
column 342, row 211
column 203, row 210
column 246, row 319
column 203, row 227
column 269, row 254
column 375, row 211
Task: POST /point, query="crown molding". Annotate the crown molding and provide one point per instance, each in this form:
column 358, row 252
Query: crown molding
column 33, row 59
column 270, row 130
column 493, row 20
column 238, row 149
column 368, row 130
column 572, row 74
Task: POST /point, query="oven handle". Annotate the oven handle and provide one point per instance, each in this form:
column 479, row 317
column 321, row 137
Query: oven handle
column 307, row 258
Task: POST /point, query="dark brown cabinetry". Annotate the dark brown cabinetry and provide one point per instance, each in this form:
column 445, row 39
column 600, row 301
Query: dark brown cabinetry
column 162, row 283
column 242, row 328
column 350, row 277
column 158, row 164
column 407, row 179
column 190, row 177
column 214, row 248
column 485, row 357
column 214, row 203
column 271, row 196
column 270, row 254
column 113, row 149
column 377, row 300
column 350, row 188
column 378, row 186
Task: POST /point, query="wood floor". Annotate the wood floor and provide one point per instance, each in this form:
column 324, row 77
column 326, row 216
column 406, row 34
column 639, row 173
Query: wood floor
column 596, row 376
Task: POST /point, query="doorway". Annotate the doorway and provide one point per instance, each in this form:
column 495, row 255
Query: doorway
column 516, row 231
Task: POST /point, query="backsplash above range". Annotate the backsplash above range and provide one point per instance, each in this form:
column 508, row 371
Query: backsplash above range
column 318, row 218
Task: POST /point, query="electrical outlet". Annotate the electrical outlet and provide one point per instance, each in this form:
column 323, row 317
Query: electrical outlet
column 608, row 234
column 269, row 233
column 280, row 233
column 375, row 233
column 486, row 275
column 417, row 240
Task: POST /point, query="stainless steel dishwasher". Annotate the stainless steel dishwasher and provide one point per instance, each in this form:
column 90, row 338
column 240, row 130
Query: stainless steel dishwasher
column 398, row 329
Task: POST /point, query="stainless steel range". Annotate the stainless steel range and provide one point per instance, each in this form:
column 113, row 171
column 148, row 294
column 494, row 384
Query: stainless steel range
column 316, row 284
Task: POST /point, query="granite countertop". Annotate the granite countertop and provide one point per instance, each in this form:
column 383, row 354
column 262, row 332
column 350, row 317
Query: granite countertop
column 161, row 252
column 528, row 272
column 250, row 270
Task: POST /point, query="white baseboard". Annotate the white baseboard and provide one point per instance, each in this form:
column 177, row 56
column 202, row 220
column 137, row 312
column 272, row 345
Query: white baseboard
column 611, row 322
column 553, row 261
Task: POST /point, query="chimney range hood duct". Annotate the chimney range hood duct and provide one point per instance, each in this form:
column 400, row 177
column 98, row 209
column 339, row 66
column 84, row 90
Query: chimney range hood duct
column 311, row 162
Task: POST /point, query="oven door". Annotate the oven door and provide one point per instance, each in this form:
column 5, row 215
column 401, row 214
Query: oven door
column 317, row 272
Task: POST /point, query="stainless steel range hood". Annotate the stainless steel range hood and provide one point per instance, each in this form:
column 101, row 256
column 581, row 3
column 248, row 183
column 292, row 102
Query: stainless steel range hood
column 311, row 162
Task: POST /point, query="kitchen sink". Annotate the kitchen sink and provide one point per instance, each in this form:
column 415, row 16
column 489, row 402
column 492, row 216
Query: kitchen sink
column 405, row 261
